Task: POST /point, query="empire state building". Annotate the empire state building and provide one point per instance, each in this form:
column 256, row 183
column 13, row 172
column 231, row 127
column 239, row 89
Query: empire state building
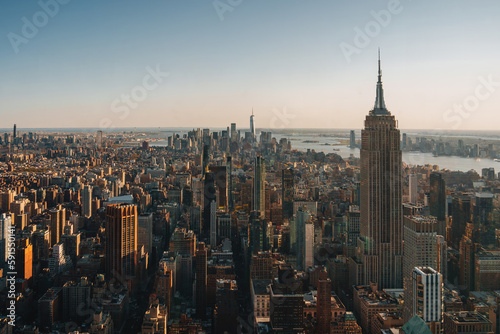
column 380, row 243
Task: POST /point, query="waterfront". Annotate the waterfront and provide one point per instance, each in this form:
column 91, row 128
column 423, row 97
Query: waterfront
column 303, row 142
column 320, row 140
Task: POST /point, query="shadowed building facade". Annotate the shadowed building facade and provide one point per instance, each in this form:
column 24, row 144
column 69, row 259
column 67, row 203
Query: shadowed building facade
column 121, row 240
column 437, row 200
column 287, row 192
column 259, row 186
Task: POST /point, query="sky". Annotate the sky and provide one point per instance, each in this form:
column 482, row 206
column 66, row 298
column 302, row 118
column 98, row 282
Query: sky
column 205, row 63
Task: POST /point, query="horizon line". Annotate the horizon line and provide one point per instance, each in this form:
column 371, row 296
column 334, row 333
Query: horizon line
column 18, row 129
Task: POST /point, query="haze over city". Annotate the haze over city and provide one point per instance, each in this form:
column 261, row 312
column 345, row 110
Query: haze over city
column 224, row 59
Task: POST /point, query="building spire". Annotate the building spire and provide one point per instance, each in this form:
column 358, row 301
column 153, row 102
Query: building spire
column 379, row 108
column 379, row 68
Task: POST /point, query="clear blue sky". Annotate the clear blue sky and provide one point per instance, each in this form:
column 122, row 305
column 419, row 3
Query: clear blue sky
column 280, row 56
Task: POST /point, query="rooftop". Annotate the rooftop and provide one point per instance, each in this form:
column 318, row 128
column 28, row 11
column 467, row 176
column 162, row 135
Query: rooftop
column 467, row 317
column 260, row 286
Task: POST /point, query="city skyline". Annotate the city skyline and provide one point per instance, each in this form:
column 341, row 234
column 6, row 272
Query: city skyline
column 300, row 60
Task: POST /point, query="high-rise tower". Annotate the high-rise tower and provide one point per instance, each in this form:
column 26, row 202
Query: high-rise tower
column 259, row 187
column 201, row 280
column 420, row 250
column 424, row 297
column 412, row 188
column 287, row 191
column 324, row 303
column 86, row 201
column 438, row 201
column 252, row 126
column 229, row 166
column 380, row 243
column 352, row 143
column 121, row 240
column 209, row 204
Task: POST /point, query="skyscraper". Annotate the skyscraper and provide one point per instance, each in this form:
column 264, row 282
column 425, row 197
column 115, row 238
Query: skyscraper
column 461, row 215
column 309, row 246
column 287, row 193
column 420, row 250
column 352, row 143
column 381, row 210
column 286, row 302
column 201, row 280
column 226, row 307
column 483, row 218
column 352, row 228
column 420, row 243
column 438, row 201
column 259, row 233
column 259, row 187
column 121, row 240
column 324, row 302
column 424, row 298
column 145, row 232
column 86, row 201
column 99, row 139
column 234, row 133
column 252, row 126
column 205, row 158
column 229, row 166
column 57, row 222
column 221, row 181
column 209, row 197
column 412, row 188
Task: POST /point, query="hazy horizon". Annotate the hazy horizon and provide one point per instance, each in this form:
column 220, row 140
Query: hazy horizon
column 243, row 129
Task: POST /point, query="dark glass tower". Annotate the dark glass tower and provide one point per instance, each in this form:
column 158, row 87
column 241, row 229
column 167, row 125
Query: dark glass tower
column 229, row 165
column 201, row 280
column 483, row 219
column 209, row 209
column 287, row 192
column 461, row 215
column 438, row 201
column 381, row 211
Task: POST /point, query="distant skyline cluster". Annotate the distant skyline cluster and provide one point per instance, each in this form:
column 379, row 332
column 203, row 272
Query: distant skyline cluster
column 71, row 64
